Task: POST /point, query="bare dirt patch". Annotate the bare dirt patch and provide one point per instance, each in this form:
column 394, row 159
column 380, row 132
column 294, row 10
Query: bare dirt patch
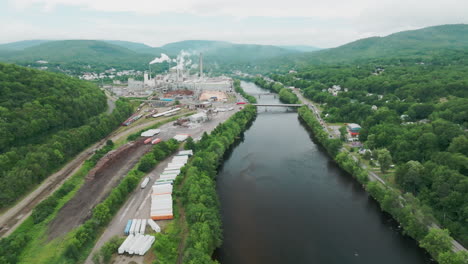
column 98, row 185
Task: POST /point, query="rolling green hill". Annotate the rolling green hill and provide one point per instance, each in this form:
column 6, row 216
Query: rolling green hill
column 416, row 43
column 136, row 46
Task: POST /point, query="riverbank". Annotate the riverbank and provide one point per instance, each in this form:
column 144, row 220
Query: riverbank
column 196, row 230
column 405, row 208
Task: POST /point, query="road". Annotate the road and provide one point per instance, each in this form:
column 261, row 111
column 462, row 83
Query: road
column 316, row 111
column 138, row 204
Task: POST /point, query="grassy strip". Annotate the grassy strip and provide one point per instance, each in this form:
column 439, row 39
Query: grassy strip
column 406, row 209
column 197, row 230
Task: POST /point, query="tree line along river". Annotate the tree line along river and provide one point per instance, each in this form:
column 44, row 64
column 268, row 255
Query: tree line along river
column 283, row 200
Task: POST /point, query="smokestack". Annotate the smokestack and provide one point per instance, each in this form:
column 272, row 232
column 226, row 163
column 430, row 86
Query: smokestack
column 201, row 65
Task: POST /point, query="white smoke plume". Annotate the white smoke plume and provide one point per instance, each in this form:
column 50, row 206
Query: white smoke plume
column 161, row 59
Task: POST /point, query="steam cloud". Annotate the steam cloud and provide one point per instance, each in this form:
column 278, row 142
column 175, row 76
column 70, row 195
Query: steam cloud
column 161, row 59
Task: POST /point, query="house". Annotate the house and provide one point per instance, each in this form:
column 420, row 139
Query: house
column 353, row 129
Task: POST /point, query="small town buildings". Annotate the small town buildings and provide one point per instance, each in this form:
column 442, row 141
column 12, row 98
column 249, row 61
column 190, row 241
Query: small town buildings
column 353, row 129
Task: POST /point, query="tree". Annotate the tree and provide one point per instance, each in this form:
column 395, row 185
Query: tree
column 437, row 241
column 410, row 176
column 147, row 163
column 460, row 145
column 460, row 257
column 385, row 159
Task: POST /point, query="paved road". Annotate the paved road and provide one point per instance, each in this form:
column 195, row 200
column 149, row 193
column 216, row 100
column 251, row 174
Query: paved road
column 316, row 111
column 138, row 204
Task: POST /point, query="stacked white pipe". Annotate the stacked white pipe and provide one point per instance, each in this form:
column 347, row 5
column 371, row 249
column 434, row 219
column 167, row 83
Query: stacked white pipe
column 136, row 244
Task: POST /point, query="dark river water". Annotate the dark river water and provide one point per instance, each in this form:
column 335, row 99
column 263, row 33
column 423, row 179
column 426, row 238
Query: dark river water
column 283, row 200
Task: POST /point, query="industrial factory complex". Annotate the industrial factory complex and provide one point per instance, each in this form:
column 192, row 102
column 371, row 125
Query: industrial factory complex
column 179, row 77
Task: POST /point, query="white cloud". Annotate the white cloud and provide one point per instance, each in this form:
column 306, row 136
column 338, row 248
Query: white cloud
column 324, row 23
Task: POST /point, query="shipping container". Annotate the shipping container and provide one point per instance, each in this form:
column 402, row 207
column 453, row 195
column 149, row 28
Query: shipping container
column 162, row 189
column 188, row 152
column 155, row 141
column 145, row 182
column 127, row 227
column 137, row 226
column 132, row 228
column 154, row 226
column 147, row 141
column 143, row 226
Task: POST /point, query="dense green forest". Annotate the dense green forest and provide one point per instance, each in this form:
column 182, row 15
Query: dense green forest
column 45, row 119
column 418, row 112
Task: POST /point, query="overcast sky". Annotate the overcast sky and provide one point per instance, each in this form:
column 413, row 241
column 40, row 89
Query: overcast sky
column 322, row 23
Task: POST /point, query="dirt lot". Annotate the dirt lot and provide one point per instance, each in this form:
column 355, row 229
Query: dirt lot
column 95, row 189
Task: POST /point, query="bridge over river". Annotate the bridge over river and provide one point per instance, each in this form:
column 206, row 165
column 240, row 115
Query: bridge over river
column 280, row 105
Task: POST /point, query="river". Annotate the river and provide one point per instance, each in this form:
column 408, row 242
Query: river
column 283, row 200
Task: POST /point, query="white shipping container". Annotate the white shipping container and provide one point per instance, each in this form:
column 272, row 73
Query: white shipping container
column 167, row 177
column 154, row 226
column 162, row 189
column 180, row 158
column 174, row 168
column 143, row 226
column 187, row 152
column 132, row 228
column 137, row 226
column 170, row 172
column 145, row 182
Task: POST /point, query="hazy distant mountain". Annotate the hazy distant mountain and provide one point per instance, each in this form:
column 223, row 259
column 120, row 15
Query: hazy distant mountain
column 301, row 48
column 20, row 45
column 115, row 52
column 226, row 52
column 407, row 43
column 135, row 46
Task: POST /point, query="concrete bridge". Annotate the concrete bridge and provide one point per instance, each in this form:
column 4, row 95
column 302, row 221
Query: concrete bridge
column 259, row 94
column 280, row 105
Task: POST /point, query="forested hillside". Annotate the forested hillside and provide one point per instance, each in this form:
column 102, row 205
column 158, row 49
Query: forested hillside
column 45, row 119
column 34, row 104
column 79, row 54
column 439, row 44
column 418, row 112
